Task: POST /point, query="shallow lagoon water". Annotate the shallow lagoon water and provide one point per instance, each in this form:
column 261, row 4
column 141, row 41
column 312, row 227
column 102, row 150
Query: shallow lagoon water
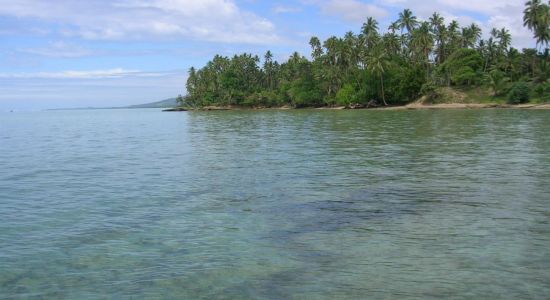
column 299, row 204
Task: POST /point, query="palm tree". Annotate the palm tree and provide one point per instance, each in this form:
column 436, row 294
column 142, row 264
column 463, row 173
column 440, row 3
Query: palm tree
column 491, row 53
column 439, row 30
column 391, row 43
column 470, row 35
column 497, row 80
column 512, row 63
column 422, row 43
column 530, row 60
column 316, row 50
column 394, row 26
column 268, row 69
column 330, row 45
column 505, row 39
column 191, row 85
column 407, row 20
column 543, row 68
column 475, row 32
column 369, row 33
column 453, row 36
column 542, row 25
column 543, row 36
column 377, row 63
column 335, row 63
column 466, row 38
column 436, row 20
column 494, row 33
column 351, row 42
column 536, row 17
column 531, row 14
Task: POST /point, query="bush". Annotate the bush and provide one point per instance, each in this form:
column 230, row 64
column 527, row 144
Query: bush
column 430, row 91
column 519, row 93
column 346, row 95
column 404, row 84
column 539, row 90
column 542, row 91
column 464, row 66
column 464, row 76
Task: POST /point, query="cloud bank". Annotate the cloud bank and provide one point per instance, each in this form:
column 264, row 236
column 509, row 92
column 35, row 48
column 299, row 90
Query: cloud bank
column 207, row 20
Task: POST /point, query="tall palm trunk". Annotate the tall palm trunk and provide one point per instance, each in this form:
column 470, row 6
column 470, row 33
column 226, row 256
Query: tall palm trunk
column 382, row 86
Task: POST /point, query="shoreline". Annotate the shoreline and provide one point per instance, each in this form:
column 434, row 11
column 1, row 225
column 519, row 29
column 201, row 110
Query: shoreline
column 410, row 106
column 419, row 106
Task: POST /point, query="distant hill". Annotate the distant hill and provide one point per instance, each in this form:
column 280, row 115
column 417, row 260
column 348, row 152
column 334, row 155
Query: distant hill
column 166, row 103
column 159, row 104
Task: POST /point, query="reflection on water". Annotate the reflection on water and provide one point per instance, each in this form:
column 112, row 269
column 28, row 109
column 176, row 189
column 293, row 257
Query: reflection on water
column 275, row 204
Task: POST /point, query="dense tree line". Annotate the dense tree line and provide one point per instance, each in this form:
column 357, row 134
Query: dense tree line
column 410, row 59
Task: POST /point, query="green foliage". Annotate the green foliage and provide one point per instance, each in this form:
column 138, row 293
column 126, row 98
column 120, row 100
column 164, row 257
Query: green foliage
column 519, row 93
column 180, row 100
column 542, row 91
column 536, row 17
column 497, row 80
column 304, row 94
column 413, row 58
column 429, row 90
column 463, row 66
column 464, row 76
column 404, row 82
column 347, row 95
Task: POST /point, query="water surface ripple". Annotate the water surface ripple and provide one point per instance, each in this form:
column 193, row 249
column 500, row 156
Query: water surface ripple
column 301, row 204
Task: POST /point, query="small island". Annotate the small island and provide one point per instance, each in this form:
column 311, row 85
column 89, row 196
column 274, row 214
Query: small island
column 413, row 64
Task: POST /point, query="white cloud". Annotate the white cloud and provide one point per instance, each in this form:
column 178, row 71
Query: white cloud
column 488, row 14
column 209, row 20
column 59, row 49
column 97, row 88
column 284, row 9
column 90, row 74
column 352, row 10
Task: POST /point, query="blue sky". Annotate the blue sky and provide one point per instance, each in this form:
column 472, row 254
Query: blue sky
column 70, row 53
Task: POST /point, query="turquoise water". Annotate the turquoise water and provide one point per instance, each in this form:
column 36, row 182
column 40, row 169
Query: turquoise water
column 275, row 204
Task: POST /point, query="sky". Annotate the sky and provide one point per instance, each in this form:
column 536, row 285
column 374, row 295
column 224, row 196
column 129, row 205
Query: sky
column 103, row 53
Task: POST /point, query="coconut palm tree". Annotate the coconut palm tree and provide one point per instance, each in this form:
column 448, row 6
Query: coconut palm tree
column 377, row 63
column 494, row 33
column 422, row 42
column 316, row 49
column 436, row 20
column 454, row 37
column 505, row 38
column 470, row 35
column 268, row 69
column 531, row 14
column 475, row 32
column 351, row 42
column 334, row 64
column 391, row 43
column 542, row 25
column 490, row 48
column 369, row 33
column 407, row 20
column 536, row 17
column 438, row 28
column 394, row 26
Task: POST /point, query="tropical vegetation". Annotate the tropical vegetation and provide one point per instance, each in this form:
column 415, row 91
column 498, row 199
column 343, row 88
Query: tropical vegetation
column 411, row 59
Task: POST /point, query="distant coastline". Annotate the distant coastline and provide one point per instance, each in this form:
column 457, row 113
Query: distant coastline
column 166, row 103
column 412, row 106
